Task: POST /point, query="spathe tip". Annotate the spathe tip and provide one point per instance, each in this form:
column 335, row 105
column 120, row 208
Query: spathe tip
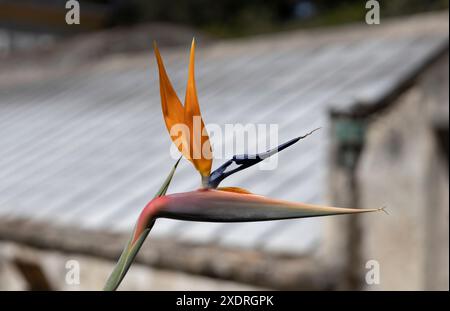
column 383, row 209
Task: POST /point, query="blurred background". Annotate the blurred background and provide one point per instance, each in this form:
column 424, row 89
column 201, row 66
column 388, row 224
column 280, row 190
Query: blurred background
column 83, row 146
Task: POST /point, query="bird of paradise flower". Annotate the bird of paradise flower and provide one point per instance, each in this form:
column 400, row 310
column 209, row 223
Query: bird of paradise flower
column 210, row 203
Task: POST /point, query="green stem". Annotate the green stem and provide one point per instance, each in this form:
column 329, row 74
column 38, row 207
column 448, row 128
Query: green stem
column 126, row 259
column 131, row 249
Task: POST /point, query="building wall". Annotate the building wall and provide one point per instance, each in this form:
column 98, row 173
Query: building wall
column 404, row 167
column 56, row 269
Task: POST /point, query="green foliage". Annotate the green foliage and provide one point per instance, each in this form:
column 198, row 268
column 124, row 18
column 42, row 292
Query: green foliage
column 226, row 18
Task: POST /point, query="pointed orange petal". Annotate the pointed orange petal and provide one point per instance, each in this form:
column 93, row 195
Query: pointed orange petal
column 200, row 148
column 172, row 108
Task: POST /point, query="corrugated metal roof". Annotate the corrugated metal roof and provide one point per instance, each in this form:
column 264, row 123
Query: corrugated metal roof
column 89, row 148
